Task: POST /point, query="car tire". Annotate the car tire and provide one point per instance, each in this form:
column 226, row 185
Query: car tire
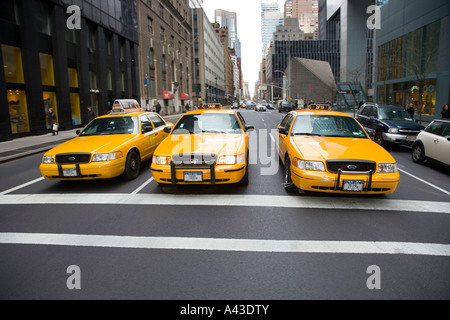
column 380, row 140
column 288, row 184
column 418, row 153
column 132, row 166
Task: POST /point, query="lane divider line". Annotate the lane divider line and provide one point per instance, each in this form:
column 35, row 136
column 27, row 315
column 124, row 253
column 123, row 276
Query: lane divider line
column 424, row 181
column 21, row 186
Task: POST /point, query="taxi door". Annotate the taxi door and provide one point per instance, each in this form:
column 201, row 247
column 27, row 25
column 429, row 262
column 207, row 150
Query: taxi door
column 147, row 138
column 158, row 131
column 284, row 137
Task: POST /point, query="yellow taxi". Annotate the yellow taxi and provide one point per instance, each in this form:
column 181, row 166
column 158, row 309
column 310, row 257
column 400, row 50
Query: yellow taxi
column 328, row 151
column 109, row 146
column 208, row 146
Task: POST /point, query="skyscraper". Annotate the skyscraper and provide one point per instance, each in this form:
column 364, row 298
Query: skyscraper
column 227, row 19
column 271, row 17
column 306, row 11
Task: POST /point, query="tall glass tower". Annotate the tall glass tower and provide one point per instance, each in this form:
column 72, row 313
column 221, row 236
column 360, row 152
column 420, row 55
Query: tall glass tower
column 271, row 18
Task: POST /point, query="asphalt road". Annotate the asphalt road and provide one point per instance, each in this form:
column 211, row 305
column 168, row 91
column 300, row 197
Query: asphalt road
column 136, row 240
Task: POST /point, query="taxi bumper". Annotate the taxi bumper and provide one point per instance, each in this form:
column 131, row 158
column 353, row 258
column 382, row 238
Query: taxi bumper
column 85, row 171
column 199, row 175
column 353, row 183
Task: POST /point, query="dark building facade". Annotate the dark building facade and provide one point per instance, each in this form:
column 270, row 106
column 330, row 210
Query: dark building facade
column 47, row 65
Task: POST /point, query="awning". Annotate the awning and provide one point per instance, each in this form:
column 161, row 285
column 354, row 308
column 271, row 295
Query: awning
column 184, row 96
column 167, row 95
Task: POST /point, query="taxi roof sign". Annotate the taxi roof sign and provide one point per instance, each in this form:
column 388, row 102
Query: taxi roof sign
column 125, row 105
column 318, row 106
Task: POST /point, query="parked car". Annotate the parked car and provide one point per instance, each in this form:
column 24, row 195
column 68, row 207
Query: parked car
column 388, row 124
column 328, row 151
column 433, row 143
column 270, row 106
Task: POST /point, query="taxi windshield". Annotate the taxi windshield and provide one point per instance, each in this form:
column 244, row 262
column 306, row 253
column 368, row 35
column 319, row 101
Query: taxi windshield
column 111, row 126
column 208, row 123
column 394, row 114
column 327, row 126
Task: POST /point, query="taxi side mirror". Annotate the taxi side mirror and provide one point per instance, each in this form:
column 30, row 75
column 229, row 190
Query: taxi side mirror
column 147, row 128
column 249, row 128
column 282, row 130
column 167, row 129
column 78, row 132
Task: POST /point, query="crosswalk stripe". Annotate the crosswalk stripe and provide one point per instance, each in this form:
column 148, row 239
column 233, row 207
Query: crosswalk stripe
column 215, row 244
column 230, row 201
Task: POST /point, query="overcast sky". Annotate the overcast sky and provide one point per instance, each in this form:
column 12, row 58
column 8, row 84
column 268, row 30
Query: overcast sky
column 249, row 32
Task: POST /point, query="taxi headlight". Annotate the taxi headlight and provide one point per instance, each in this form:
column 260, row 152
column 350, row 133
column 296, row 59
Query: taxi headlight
column 101, row 157
column 231, row 159
column 48, row 159
column 309, row 165
column 387, row 168
column 161, row 160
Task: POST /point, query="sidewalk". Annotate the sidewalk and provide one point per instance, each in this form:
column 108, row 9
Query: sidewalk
column 21, row 147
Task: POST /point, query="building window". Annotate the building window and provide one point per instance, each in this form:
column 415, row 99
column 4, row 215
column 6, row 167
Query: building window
column 73, row 77
column 109, row 79
column 150, row 25
column 47, row 74
column 161, row 11
column 12, row 64
column 9, row 11
column 161, row 31
column 43, row 18
column 75, row 109
column 93, row 80
column 18, row 111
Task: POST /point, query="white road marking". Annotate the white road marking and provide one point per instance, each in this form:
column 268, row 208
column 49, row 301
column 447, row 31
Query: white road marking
column 143, row 186
column 224, row 200
column 21, row 186
column 240, row 245
column 426, row 182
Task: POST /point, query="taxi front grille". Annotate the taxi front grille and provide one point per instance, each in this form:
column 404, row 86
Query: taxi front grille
column 73, row 158
column 334, row 166
column 194, row 159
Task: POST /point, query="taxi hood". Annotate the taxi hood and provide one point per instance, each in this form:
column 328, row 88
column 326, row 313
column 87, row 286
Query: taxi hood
column 93, row 144
column 218, row 144
column 323, row 149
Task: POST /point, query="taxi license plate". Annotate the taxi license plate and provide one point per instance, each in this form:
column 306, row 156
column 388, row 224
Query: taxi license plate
column 69, row 172
column 353, row 185
column 193, row 176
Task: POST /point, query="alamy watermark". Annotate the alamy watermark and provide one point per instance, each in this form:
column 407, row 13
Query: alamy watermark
column 74, row 21
column 374, row 21
column 74, row 280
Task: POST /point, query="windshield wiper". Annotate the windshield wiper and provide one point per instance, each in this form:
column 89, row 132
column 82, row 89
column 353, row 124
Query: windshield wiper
column 308, row 134
column 213, row 131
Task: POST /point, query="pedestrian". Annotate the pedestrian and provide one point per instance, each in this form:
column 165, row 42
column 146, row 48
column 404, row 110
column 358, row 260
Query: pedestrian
column 91, row 114
column 411, row 110
column 52, row 121
column 158, row 107
column 187, row 106
column 445, row 112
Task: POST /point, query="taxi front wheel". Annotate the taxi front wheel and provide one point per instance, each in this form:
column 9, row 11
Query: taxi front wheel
column 288, row 184
column 132, row 166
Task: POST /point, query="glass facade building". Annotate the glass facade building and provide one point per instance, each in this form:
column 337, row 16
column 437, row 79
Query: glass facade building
column 413, row 60
column 45, row 64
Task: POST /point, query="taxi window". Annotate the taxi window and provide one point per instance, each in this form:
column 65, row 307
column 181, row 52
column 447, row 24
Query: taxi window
column 145, row 121
column 208, row 123
column 289, row 122
column 111, row 126
column 157, row 121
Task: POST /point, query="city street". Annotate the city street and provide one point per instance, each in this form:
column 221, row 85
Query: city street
column 137, row 240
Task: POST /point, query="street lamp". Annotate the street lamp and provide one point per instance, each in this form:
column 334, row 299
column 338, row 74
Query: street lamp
column 284, row 84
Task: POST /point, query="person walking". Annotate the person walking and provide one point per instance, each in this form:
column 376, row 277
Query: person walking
column 445, row 112
column 91, row 114
column 411, row 110
column 52, row 121
column 158, row 107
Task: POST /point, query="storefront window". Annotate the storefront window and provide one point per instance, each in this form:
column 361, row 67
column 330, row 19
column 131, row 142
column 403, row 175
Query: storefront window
column 47, row 74
column 428, row 97
column 12, row 64
column 73, row 77
column 18, row 111
column 75, row 108
column 50, row 102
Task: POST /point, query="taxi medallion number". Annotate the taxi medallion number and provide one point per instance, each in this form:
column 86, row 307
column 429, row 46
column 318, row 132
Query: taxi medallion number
column 193, row 177
column 353, row 185
column 69, row 172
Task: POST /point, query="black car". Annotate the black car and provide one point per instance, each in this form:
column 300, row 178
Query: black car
column 388, row 124
column 285, row 106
